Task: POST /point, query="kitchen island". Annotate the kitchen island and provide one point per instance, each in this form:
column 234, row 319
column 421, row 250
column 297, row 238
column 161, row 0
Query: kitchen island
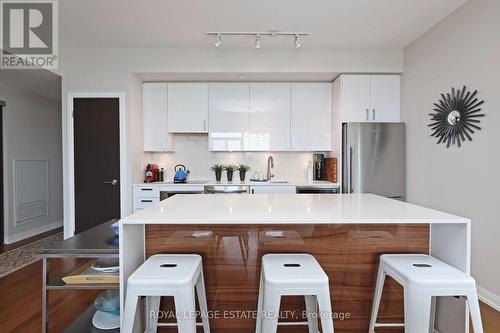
column 346, row 233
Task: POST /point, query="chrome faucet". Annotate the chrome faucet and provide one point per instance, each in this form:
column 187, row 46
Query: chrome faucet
column 270, row 165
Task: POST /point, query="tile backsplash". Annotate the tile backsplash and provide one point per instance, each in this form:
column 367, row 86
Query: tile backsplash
column 192, row 151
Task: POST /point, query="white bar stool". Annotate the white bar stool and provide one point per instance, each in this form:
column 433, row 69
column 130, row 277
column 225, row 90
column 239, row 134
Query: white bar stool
column 176, row 275
column 423, row 279
column 293, row 274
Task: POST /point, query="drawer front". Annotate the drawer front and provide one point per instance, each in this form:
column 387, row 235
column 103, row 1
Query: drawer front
column 147, row 192
column 143, row 203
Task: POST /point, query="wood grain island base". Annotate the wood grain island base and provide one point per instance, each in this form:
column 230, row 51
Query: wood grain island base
column 345, row 232
column 349, row 254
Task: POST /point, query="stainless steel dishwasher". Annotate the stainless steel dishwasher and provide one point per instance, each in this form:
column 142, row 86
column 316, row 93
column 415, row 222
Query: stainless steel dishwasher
column 317, row 189
column 227, row 189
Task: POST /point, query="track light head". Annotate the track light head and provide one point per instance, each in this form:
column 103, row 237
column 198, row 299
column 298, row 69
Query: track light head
column 218, row 42
column 257, row 41
column 297, row 43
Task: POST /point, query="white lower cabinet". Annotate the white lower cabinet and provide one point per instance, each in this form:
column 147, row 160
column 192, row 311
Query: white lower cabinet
column 143, row 203
column 263, row 189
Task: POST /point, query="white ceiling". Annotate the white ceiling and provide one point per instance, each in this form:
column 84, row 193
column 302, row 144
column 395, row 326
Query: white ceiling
column 183, row 23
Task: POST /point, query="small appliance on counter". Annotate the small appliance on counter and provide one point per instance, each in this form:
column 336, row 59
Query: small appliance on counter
column 152, row 173
column 181, row 173
column 319, row 166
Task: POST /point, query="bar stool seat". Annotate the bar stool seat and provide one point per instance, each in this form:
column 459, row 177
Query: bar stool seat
column 293, row 274
column 423, row 278
column 177, row 275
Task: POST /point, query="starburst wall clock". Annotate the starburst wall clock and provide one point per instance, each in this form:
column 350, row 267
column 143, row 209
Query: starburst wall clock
column 456, row 117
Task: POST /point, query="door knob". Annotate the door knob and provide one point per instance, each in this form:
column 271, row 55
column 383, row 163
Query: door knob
column 113, row 182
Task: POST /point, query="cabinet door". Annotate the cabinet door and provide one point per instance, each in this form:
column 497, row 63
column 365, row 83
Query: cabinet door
column 229, row 116
column 355, row 98
column 269, row 116
column 264, row 189
column 188, row 107
column 154, row 110
column 311, row 124
column 385, row 96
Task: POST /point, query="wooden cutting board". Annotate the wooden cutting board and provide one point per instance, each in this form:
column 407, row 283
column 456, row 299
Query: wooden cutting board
column 331, row 169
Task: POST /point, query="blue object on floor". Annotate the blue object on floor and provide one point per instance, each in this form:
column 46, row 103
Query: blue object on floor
column 108, row 301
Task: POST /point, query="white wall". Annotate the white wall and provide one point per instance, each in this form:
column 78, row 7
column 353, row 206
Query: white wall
column 112, row 70
column 462, row 49
column 31, row 130
column 192, row 151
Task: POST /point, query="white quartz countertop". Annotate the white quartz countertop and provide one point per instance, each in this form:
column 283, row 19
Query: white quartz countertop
column 316, row 183
column 287, row 209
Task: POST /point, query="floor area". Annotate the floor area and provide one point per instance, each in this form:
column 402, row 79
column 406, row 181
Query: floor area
column 21, row 297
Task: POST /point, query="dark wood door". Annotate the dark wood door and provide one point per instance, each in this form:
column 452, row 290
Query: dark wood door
column 2, row 103
column 97, row 161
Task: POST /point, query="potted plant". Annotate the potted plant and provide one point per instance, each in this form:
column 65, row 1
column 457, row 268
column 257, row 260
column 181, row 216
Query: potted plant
column 242, row 168
column 217, row 168
column 229, row 168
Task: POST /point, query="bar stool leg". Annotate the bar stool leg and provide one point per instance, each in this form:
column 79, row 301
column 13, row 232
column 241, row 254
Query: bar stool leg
column 185, row 309
column 475, row 313
column 433, row 314
column 130, row 311
column 312, row 313
column 153, row 306
column 202, row 300
column 258, row 324
column 417, row 304
column 271, row 309
column 325, row 311
column 379, row 286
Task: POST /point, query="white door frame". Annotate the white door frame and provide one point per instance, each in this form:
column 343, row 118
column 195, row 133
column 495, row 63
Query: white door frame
column 69, row 220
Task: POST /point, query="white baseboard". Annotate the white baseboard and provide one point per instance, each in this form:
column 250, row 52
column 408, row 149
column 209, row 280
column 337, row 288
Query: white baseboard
column 9, row 239
column 489, row 298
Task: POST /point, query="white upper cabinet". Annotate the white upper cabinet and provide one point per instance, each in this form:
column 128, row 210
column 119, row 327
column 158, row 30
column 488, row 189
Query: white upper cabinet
column 269, row 116
column 355, row 93
column 311, row 116
column 370, row 98
column 229, row 115
column 385, row 98
column 188, row 107
column 154, row 108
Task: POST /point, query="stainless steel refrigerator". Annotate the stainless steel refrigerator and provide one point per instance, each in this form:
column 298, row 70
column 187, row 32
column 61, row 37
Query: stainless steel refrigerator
column 373, row 156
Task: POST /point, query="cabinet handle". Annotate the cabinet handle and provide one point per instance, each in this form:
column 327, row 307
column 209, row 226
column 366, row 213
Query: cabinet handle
column 367, row 114
column 204, row 125
column 146, row 189
column 164, row 143
column 293, row 143
column 373, row 114
column 288, row 142
column 146, row 200
column 253, row 191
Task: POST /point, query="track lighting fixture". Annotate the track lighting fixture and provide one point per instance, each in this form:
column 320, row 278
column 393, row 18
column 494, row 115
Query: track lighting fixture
column 258, row 36
column 218, row 42
column 297, row 43
column 257, row 41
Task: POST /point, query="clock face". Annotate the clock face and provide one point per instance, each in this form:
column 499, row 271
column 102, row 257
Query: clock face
column 456, row 117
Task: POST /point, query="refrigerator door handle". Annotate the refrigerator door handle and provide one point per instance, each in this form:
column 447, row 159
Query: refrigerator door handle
column 351, row 153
